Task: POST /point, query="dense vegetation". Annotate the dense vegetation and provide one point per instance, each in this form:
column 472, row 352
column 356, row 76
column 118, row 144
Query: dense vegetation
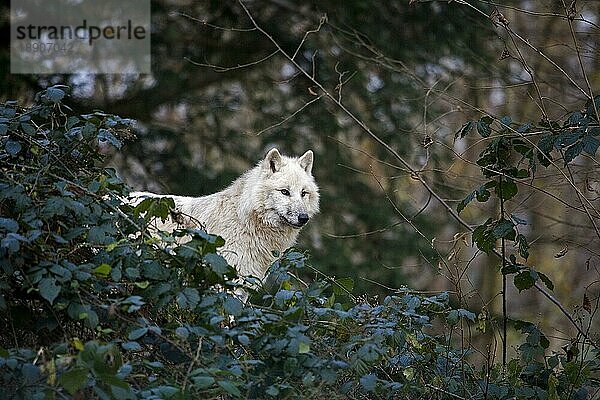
column 456, row 254
column 92, row 306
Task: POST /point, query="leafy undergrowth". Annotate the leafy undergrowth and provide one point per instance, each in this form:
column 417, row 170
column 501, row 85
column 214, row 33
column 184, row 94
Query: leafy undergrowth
column 92, row 306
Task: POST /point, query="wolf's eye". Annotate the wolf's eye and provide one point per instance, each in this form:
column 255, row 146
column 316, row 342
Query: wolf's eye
column 285, row 192
column 304, row 193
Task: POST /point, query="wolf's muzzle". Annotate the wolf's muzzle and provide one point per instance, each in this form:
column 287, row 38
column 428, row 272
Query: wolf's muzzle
column 302, row 219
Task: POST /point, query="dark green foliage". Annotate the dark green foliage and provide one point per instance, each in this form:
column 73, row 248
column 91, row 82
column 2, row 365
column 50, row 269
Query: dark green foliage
column 511, row 155
column 97, row 308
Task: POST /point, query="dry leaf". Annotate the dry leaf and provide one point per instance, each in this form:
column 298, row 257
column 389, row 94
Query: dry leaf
column 587, row 304
column 562, row 252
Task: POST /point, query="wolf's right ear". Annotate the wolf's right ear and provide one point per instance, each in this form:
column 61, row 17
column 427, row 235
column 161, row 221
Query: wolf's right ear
column 306, row 161
column 273, row 160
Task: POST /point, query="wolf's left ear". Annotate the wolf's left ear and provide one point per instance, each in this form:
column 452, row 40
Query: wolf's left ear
column 273, row 160
column 306, row 161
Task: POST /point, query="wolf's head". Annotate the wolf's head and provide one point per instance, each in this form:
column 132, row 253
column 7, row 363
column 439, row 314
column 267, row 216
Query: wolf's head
column 286, row 193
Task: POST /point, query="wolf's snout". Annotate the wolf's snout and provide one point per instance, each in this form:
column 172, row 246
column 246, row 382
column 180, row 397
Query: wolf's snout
column 302, row 218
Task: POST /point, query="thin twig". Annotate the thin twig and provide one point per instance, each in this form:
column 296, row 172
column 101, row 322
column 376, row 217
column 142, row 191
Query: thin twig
column 218, row 68
column 286, row 119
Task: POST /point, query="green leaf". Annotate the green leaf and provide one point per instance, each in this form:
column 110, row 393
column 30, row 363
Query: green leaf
column 518, row 220
column 546, row 142
column 589, row 105
column 54, row 94
column 94, row 186
column 99, row 235
column 566, row 139
column 524, row 280
column 102, row 270
column 524, row 128
column 8, row 112
column 89, row 130
column 131, row 346
column 12, row 242
column 573, row 152
column 504, row 229
column 162, row 207
column 544, row 278
column 244, row 339
column 523, row 246
column 508, row 189
column 303, row 347
column 9, row 224
column 74, row 379
column 483, row 126
column 466, row 314
column 482, row 194
column 553, row 387
column 154, row 270
column 31, row 373
column 188, row 298
column 230, row 388
column 368, row 382
column 91, row 319
column 461, row 206
column 590, row 145
column 71, row 122
column 506, row 121
column 154, row 364
column 217, row 263
column 233, row 306
column 272, row 391
column 28, row 129
column 104, row 135
column 121, row 390
column 143, row 206
column 544, row 342
column 483, row 237
column 142, row 285
column 464, row 130
column 452, row 317
column 49, row 290
column 202, row 382
column 12, row 147
column 137, row 333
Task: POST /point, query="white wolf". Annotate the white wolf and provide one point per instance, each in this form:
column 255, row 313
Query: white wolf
column 261, row 211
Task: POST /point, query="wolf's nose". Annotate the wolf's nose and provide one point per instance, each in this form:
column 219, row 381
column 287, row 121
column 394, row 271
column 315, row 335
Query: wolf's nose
column 302, row 219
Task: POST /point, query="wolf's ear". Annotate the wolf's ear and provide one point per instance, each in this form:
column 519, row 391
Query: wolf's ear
column 273, row 160
column 306, row 161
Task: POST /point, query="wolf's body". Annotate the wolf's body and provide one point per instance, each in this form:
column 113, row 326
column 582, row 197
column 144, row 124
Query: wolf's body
column 261, row 211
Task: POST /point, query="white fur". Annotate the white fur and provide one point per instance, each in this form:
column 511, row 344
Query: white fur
column 254, row 214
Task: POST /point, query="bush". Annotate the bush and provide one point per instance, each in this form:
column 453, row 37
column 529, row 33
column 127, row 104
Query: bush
column 94, row 307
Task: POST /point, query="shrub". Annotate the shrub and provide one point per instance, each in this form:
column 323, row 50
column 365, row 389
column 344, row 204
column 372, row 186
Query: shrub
column 95, row 307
